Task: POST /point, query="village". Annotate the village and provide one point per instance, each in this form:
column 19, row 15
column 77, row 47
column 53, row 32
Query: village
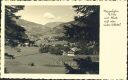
column 67, row 46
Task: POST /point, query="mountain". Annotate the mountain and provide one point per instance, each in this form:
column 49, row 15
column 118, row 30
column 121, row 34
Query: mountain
column 53, row 24
column 31, row 26
column 37, row 31
column 52, row 28
column 43, row 33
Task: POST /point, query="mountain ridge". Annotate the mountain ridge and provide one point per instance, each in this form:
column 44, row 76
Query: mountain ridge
column 37, row 31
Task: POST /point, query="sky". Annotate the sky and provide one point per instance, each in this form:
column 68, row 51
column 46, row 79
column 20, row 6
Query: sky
column 46, row 14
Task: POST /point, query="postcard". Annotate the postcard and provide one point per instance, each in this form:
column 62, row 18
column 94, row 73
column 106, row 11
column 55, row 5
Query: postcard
column 64, row 39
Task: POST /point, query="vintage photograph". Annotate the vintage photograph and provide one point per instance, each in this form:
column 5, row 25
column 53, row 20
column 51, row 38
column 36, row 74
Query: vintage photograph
column 52, row 39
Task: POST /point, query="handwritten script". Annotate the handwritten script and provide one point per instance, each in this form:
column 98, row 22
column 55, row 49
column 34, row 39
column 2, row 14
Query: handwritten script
column 111, row 18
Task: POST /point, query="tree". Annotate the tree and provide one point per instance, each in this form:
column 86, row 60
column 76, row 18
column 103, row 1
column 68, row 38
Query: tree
column 69, row 69
column 86, row 25
column 84, row 11
column 85, row 66
column 14, row 33
column 85, row 31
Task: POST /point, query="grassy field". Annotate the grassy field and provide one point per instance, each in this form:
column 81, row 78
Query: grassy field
column 42, row 62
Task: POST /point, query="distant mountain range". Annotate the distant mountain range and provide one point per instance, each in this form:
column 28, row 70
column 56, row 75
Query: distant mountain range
column 35, row 30
column 49, row 29
column 39, row 33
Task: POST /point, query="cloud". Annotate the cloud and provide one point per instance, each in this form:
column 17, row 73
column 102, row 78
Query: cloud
column 48, row 15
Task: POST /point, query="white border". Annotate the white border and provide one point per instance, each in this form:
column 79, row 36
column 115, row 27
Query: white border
column 64, row 76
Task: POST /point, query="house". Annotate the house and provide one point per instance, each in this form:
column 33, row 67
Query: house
column 26, row 44
column 74, row 49
column 70, row 53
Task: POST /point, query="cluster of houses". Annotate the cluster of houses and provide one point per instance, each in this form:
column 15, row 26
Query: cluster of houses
column 71, row 52
column 27, row 44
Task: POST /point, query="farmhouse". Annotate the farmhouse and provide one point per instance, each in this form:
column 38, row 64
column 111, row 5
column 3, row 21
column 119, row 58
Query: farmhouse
column 70, row 53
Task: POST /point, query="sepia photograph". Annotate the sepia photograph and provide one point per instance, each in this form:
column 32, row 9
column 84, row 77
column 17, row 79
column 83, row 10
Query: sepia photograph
column 52, row 39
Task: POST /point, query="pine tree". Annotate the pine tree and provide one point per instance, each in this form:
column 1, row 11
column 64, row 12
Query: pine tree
column 13, row 32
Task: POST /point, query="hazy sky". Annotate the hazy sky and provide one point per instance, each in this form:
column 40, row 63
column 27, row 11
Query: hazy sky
column 46, row 14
